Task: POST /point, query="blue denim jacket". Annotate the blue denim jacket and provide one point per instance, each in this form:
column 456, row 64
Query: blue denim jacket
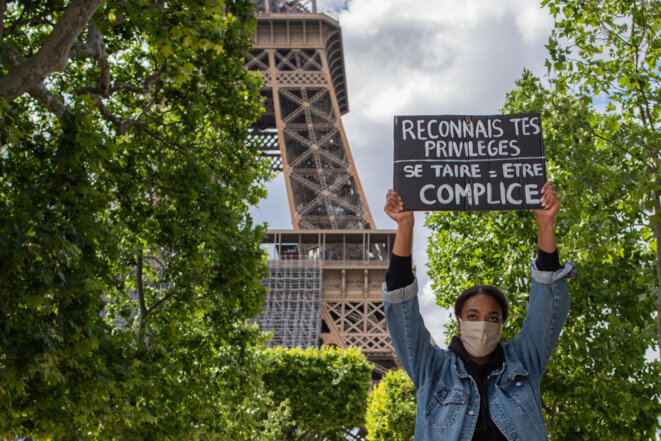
column 447, row 397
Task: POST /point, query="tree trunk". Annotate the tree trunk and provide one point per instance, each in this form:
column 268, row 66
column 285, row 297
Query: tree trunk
column 141, row 301
column 657, row 233
column 54, row 53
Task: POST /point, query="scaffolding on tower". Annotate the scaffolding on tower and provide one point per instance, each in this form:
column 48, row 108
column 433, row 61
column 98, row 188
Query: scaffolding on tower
column 292, row 310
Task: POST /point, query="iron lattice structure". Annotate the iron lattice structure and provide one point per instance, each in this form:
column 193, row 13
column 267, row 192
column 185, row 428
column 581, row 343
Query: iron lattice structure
column 299, row 56
column 298, row 53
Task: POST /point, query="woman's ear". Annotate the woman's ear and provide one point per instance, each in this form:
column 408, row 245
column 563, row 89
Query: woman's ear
column 458, row 323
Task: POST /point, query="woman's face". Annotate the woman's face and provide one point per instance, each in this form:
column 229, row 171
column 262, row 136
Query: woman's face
column 480, row 308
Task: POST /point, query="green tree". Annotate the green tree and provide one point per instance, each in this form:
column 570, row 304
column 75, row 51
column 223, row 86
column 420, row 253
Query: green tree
column 323, row 389
column 606, row 55
column 129, row 260
column 391, row 409
column 601, row 139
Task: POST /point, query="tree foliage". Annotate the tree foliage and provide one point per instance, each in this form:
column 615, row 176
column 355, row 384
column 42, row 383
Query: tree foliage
column 605, row 55
column 129, row 260
column 600, row 110
column 325, row 390
column 391, row 409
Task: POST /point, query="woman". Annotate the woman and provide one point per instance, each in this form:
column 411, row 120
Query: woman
column 479, row 388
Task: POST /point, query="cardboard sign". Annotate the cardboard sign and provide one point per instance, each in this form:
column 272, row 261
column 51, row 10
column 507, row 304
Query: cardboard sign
column 463, row 162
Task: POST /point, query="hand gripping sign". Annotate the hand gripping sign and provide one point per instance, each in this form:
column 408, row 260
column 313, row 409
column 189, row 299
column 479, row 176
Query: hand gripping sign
column 462, row 162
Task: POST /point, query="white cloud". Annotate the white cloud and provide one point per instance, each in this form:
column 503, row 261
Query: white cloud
column 534, row 24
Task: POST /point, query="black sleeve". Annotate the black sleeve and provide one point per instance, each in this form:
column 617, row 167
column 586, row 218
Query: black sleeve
column 400, row 272
column 548, row 261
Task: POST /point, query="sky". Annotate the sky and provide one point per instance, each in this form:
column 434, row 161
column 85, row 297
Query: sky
column 421, row 57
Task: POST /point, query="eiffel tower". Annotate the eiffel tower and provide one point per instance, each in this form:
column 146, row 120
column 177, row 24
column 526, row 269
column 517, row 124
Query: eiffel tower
column 326, row 273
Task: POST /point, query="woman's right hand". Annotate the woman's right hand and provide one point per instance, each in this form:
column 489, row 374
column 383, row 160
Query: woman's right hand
column 395, row 209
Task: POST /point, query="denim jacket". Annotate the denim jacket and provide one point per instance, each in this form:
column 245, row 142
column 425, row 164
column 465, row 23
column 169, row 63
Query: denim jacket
column 447, row 397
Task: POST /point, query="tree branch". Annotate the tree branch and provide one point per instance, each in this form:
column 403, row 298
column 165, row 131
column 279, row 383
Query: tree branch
column 613, row 34
column 141, row 300
column 657, row 236
column 94, row 48
column 644, row 109
column 40, row 92
column 120, row 126
column 160, row 301
column 146, row 86
column 107, row 115
column 54, row 53
column 95, row 93
column 3, row 9
column 645, row 113
column 47, row 99
column 165, row 142
column 143, row 310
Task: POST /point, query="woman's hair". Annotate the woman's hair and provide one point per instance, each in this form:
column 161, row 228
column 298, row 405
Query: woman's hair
column 481, row 289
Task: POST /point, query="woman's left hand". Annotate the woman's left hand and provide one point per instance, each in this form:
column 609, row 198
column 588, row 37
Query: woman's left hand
column 551, row 203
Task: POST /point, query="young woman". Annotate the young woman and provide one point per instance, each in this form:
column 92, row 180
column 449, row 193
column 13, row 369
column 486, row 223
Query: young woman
column 479, row 388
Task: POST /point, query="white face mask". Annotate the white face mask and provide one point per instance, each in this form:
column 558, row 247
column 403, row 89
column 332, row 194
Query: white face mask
column 480, row 338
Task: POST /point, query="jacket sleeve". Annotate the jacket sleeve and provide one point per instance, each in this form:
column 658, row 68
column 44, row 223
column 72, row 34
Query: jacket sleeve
column 548, row 307
column 411, row 339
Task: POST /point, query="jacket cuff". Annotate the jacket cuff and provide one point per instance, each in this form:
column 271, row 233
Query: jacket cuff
column 568, row 270
column 401, row 294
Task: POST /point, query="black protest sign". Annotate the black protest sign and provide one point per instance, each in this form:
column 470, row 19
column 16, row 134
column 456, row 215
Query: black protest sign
column 461, row 162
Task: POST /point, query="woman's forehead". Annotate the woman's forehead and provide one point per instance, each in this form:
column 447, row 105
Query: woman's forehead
column 481, row 303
